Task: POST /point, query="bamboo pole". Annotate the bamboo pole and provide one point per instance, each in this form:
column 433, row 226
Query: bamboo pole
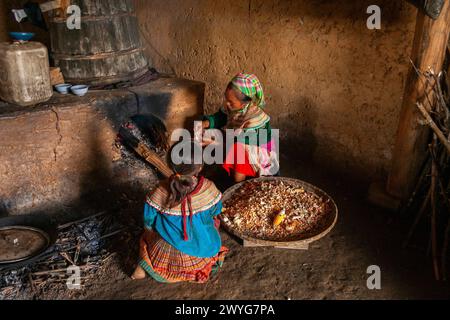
column 429, row 48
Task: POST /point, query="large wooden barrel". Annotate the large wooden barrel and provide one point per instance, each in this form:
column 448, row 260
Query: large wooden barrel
column 107, row 48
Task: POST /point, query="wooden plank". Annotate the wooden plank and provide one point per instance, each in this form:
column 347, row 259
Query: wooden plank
column 292, row 246
column 297, row 247
column 429, row 48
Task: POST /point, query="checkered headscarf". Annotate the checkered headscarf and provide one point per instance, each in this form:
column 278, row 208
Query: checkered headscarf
column 250, row 85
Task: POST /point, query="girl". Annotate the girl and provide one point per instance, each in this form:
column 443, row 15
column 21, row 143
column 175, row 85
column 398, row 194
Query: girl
column 243, row 110
column 181, row 241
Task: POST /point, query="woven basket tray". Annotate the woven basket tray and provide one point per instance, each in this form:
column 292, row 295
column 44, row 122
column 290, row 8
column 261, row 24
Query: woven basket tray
column 299, row 241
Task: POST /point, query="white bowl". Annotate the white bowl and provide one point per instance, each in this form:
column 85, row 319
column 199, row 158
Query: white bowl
column 63, row 88
column 80, row 90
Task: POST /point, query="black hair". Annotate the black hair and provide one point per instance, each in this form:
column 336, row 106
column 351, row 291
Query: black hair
column 184, row 180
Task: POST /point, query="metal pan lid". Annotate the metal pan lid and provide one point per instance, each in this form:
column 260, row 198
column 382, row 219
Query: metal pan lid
column 19, row 243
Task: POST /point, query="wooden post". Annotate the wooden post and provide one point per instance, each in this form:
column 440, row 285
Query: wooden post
column 429, row 48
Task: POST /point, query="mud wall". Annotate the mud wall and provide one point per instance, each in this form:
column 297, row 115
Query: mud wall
column 334, row 87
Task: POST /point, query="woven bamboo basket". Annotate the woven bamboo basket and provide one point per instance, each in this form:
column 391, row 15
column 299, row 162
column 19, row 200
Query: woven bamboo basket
column 296, row 241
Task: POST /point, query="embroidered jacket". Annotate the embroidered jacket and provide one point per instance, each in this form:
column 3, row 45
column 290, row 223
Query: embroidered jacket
column 187, row 227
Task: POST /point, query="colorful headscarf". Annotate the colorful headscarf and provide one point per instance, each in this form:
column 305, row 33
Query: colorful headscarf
column 250, row 85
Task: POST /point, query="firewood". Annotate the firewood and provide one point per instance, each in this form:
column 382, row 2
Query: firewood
column 433, row 216
column 417, row 219
column 69, row 224
column 434, row 127
column 445, row 248
column 419, row 185
column 98, row 239
column 429, row 49
column 65, row 255
column 59, row 272
column 146, row 153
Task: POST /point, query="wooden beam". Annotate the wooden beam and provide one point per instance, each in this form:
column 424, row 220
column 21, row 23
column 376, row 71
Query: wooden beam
column 429, row 48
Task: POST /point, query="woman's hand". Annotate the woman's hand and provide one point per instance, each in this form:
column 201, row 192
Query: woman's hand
column 200, row 134
column 205, row 124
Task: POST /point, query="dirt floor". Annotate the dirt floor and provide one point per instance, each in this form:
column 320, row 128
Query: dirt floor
column 334, row 267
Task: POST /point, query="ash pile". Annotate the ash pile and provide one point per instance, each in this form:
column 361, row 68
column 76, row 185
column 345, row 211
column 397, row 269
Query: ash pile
column 86, row 245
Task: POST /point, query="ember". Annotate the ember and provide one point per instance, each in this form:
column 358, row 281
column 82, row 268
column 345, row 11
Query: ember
column 256, row 208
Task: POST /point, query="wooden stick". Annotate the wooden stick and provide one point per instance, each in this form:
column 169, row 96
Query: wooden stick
column 67, row 225
column 439, row 180
column 151, row 157
column 445, row 245
column 425, row 171
column 77, row 254
column 33, row 286
column 417, row 219
column 433, row 214
column 440, row 95
column 98, row 239
column 434, row 127
column 145, row 152
column 430, row 245
column 444, row 251
column 66, row 256
column 56, row 271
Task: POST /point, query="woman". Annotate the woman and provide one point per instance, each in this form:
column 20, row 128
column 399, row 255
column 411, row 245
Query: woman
column 181, row 241
column 253, row 152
